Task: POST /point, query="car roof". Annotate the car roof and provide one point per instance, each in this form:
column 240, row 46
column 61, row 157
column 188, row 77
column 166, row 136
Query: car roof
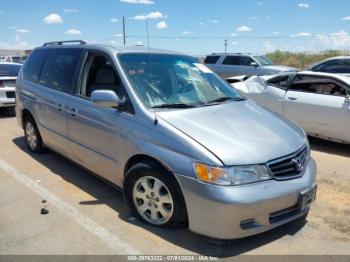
column 113, row 49
column 226, row 54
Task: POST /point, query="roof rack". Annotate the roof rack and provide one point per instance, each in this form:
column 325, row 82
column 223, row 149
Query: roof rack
column 81, row 42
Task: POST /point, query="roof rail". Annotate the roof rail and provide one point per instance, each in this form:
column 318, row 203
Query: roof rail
column 81, row 42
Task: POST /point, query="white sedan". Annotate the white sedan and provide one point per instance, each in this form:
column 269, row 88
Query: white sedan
column 319, row 102
column 8, row 76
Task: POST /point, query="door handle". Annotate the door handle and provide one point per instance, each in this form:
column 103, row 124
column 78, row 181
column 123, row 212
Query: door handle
column 292, row 98
column 60, row 107
column 73, row 112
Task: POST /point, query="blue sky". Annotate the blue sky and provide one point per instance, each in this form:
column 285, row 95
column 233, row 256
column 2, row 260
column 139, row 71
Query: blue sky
column 196, row 27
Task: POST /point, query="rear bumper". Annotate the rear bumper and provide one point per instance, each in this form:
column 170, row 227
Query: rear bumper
column 237, row 212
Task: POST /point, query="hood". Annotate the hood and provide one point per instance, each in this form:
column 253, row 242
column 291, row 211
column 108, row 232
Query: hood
column 238, row 133
column 280, row 68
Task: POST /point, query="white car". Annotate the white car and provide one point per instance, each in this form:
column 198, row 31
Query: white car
column 8, row 76
column 319, row 102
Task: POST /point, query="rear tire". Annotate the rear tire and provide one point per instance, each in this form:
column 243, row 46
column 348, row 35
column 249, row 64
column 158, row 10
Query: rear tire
column 154, row 196
column 33, row 138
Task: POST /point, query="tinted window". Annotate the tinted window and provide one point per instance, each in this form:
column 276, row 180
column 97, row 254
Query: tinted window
column 232, row 60
column 33, row 66
column 59, row 69
column 335, row 66
column 9, row 70
column 346, row 66
column 317, row 85
column 246, row 61
column 211, row 59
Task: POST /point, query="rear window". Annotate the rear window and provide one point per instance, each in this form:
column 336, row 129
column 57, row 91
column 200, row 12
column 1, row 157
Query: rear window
column 59, row 69
column 211, row 59
column 9, row 70
column 32, row 68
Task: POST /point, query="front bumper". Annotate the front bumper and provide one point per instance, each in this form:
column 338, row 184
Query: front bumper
column 231, row 212
column 7, row 97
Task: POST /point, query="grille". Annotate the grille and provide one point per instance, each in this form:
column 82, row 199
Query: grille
column 10, row 94
column 291, row 166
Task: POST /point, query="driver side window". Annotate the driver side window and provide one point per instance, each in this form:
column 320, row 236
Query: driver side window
column 99, row 74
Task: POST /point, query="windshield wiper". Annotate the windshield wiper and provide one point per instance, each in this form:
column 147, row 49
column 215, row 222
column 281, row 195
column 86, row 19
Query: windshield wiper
column 178, row 105
column 224, row 99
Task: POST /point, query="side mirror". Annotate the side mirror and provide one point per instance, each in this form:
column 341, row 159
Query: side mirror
column 255, row 64
column 347, row 99
column 106, row 98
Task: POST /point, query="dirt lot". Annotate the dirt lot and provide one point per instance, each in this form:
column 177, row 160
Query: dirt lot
column 88, row 216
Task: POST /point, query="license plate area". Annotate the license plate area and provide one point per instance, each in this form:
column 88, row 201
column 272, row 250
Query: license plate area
column 306, row 198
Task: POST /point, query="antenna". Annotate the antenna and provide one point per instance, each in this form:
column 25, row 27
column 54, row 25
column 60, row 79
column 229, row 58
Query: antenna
column 225, row 46
column 147, row 34
column 124, row 36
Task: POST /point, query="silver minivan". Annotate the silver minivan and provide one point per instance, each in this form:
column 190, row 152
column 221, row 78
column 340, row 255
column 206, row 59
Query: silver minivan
column 181, row 143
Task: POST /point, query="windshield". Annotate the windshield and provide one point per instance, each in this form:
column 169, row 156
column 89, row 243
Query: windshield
column 263, row 60
column 173, row 80
column 9, row 70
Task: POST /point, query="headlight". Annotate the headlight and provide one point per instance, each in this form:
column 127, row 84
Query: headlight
column 237, row 175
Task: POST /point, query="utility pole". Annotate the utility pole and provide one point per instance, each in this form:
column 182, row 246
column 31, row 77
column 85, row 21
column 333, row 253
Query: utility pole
column 225, row 46
column 124, row 36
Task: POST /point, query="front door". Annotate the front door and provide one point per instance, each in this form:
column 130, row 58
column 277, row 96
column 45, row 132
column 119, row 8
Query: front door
column 319, row 105
column 96, row 133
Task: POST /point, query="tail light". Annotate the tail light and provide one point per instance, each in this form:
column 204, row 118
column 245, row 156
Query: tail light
column 1, row 83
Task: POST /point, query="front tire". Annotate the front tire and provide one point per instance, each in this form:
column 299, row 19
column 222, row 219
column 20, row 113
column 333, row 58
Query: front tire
column 154, row 196
column 33, row 138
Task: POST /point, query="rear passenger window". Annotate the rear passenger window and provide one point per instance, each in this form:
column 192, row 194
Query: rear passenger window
column 232, row 60
column 211, row 59
column 59, row 70
column 33, row 66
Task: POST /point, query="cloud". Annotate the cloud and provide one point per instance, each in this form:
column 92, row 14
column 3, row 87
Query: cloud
column 234, row 43
column 214, row 21
column 302, row 34
column 339, row 39
column 200, row 23
column 276, row 33
column 303, row 5
column 233, row 35
column 152, row 15
column 346, row 18
column 187, row 33
column 22, row 30
column 259, row 3
column 118, row 35
column 162, row 25
column 243, row 28
column 253, row 18
column 13, row 27
column 73, row 32
column 70, row 10
column 139, row 43
column 53, row 19
column 113, row 42
column 142, row 2
column 1, row 12
column 113, row 20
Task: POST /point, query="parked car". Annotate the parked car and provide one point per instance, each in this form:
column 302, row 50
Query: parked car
column 8, row 76
column 319, row 102
column 228, row 65
column 181, row 143
column 335, row 65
